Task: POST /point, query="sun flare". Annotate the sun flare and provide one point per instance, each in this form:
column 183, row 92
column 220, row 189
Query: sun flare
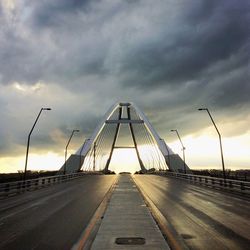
column 124, row 160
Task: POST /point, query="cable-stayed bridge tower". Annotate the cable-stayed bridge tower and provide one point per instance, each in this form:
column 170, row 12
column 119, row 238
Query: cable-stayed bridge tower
column 97, row 151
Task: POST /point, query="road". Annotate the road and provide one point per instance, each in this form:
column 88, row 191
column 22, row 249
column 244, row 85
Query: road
column 53, row 217
column 205, row 218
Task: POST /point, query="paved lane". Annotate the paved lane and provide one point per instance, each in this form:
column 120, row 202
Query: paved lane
column 205, row 218
column 53, row 217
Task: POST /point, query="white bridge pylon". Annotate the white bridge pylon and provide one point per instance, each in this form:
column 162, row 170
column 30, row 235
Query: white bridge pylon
column 123, row 114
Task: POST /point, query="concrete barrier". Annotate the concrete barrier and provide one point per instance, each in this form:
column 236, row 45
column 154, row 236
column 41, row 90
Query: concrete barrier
column 18, row 187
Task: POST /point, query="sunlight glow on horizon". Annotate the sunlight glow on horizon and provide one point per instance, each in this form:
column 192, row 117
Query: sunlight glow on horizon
column 201, row 152
column 124, row 160
column 50, row 161
column 207, row 151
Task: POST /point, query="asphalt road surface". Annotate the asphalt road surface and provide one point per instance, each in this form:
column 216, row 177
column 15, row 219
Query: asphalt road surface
column 53, row 217
column 205, row 218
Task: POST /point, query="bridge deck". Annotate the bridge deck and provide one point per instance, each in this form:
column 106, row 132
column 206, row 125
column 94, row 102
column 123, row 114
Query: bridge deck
column 127, row 217
column 55, row 217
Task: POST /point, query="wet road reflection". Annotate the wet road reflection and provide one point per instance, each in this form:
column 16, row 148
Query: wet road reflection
column 205, row 218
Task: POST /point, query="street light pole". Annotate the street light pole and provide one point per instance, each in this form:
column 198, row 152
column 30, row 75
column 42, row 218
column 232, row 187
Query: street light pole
column 221, row 151
column 183, row 149
column 28, row 142
column 75, row 130
column 94, row 160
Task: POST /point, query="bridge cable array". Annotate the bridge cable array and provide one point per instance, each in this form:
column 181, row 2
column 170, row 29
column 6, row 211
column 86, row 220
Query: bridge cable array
column 100, row 151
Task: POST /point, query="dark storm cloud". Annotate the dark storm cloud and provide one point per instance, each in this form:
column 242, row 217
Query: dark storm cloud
column 52, row 13
column 200, row 35
column 202, row 10
column 204, row 40
column 58, row 41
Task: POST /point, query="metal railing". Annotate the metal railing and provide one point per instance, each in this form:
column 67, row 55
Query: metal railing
column 17, row 187
column 236, row 186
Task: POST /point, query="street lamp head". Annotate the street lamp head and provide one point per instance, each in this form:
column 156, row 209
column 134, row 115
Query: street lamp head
column 76, row 130
column 202, row 109
column 46, row 108
column 173, row 130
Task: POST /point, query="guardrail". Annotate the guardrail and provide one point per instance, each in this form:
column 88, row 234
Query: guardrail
column 240, row 187
column 17, row 187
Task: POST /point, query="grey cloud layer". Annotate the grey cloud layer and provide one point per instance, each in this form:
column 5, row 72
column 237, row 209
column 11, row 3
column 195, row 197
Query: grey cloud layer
column 139, row 43
column 168, row 56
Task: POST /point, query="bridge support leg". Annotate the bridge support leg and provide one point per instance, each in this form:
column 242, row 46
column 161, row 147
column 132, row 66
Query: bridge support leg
column 144, row 170
column 114, row 141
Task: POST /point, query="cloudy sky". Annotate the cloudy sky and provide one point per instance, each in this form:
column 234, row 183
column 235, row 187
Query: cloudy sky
column 168, row 56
